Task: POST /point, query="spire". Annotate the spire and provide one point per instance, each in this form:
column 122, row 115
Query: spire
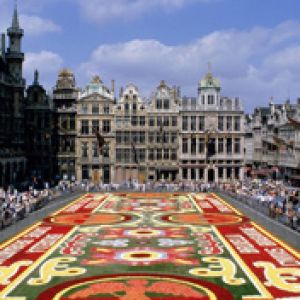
column 15, row 19
column 36, row 77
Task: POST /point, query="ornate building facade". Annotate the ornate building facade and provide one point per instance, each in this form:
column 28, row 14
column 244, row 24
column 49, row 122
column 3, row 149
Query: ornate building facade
column 275, row 142
column 40, row 132
column 65, row 95
column 12, row 86
column 95, row 107
column 212, row 135
column 164, row 138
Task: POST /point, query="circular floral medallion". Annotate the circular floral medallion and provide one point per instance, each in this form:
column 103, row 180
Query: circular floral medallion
column 204, row 219
column 137, row 287
column 88, row 219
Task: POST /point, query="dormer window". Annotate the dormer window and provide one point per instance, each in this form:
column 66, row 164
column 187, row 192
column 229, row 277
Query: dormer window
column 166, row 104
column 203, row 99
column 158, row 103
column 211, row 100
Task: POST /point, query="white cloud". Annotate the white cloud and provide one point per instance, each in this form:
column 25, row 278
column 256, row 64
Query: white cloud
column 48, row 63
column 100, row 11
column 253, row 64
column 34, row 25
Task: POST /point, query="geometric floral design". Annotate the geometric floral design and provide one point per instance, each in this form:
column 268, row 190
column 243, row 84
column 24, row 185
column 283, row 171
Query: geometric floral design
column 143, row 246
column 141, row 256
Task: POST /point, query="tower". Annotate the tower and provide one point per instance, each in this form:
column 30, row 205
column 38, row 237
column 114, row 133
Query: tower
column 14, row 55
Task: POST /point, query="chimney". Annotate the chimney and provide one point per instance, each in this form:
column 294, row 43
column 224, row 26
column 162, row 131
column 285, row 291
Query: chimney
column 178, row 92
column 3, row 45
column 113, row 87
column 121, row 92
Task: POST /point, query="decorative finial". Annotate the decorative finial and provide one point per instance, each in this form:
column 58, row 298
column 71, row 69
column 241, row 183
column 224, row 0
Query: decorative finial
column 15, row 20
column 36, row 77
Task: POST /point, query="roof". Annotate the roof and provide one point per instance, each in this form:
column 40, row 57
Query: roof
column 209, row 81
column 96, row 86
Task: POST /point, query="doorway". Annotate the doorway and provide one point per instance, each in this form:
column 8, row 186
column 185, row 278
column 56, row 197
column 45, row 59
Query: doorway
column 106, row 174
column 211, row 175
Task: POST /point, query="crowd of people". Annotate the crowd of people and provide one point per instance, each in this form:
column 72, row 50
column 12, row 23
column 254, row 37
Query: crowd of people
column 153, row 186
column 275, row 198
column 16, row 205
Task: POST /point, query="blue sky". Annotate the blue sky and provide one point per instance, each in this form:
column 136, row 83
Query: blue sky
column 253, row 45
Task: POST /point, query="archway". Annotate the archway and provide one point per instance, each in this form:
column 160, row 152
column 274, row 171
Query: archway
column 211, row 175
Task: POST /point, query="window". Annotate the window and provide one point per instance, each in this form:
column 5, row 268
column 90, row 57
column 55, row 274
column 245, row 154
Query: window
column 72, row 123
column 85, row 172
column 193, row 174
column 236, row 172
column 185, row 173
column 135, row 137
column 211, row 99
column 126, row 108
column 193, row 123
column 220, row 145
column 106, row 126
column 237, row 145
column 134, row 107
column 159, row 154
column 84, row 109
column 95, row 108
column 95, row 150
column 229, row 123
column 237, row 123
column 166, row 104
column 201, row 173
column 126, row 137
column 84, row 127
column 203, row 99
column 193, row 146
column 142, row 137
column 201, row 123
column 158, row 103
column 119, row 155
column 173, row 137
column 134, row 120
column 158, row 137
column 159, row 121
column 201, row 146
column 229, row 145
column 151, row 121
column 184, row 145
column 106, row 151
column 142, row 121
column 185, row 123
column 95, row 125
column 221, row 123
column 166, row 154
column 84, row 149
column 165, row 137
column 221, row 172
column 174, row 121
column 151, row 154
column 118, row 137
column 151, row 135
column 166, row 121
column 106, row 109
column 174, row 154
column 141, row 154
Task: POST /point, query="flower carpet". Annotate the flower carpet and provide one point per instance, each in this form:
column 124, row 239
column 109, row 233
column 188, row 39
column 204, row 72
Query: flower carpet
column 148, row 246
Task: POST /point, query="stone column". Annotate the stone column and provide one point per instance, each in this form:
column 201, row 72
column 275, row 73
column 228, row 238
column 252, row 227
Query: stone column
column 216, row 174
column 206, row 175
